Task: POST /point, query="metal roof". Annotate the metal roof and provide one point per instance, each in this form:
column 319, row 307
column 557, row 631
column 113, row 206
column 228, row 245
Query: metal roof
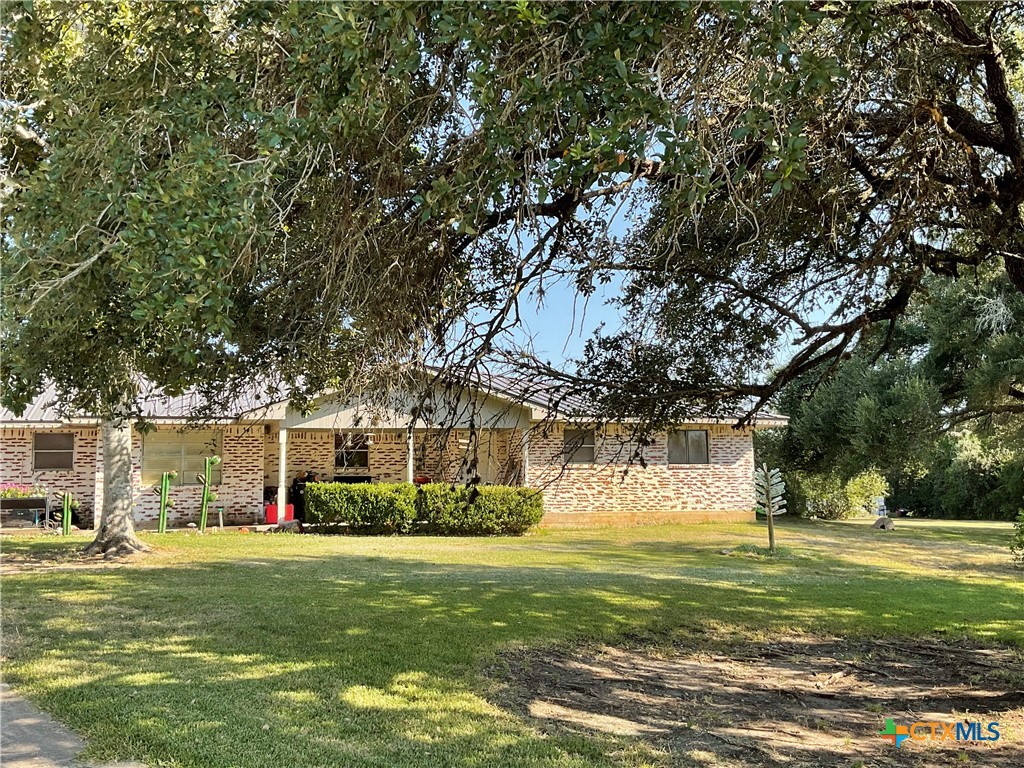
column 543, row 397
column 152, row 404
column 550, row 397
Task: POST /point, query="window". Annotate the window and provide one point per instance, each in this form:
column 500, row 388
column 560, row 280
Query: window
column 688, row 446
column 578, row 446
column 351, row 450
column 53, row 450
column 181, row 452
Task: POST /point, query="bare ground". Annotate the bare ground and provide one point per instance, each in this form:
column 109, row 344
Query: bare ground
column 59, row 560
column 795, row 701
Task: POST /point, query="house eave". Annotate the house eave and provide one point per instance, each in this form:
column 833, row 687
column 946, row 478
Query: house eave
column 769, row 422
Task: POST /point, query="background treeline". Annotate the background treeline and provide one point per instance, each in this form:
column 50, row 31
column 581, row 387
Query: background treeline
column 929, row 413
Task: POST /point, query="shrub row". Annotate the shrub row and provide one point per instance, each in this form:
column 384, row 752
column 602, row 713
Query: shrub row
column 488, row 510
column 382, row 508
column 388, row 508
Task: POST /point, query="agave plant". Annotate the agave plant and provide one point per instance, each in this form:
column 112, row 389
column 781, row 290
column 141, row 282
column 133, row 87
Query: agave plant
column 769, row 490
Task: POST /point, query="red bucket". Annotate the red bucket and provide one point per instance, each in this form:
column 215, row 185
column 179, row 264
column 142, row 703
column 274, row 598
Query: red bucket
column 289, row 513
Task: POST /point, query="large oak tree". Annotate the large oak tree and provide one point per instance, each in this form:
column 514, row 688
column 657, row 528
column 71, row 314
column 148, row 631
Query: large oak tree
column 196, row 192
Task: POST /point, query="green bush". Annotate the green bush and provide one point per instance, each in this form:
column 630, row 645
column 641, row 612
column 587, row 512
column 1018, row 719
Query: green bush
column 491, row 510
column 829, row 498
column 383, row 508
column 438, row 502
column 1017, row 542
column 380, row 508
column 863, row 490
column 501, row 510
column 965, row 478
column 823, row 497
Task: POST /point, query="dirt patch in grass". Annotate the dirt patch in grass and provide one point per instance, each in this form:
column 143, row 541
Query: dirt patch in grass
column 791, row 702
column 58, row 558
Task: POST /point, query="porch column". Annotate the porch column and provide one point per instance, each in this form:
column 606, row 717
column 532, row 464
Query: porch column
column 282, row 473
column 410, row 455
column 526, row 457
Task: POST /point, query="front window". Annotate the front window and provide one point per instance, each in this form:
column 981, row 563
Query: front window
column 351, row 451
column 181, row 452
column 53, row 450
column 688, row 446
column 578, row 446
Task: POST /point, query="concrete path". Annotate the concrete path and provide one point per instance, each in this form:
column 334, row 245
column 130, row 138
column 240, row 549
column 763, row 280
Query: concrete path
column 30, row 738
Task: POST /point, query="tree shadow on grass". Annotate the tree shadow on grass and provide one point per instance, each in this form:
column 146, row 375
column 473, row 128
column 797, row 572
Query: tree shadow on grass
column 354, row 660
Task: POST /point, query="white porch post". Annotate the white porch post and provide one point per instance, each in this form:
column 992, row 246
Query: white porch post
column 410, row 455
column 282, row 473
column 526, row 457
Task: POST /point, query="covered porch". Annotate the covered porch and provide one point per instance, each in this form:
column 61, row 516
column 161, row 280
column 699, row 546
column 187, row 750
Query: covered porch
column 341, row 443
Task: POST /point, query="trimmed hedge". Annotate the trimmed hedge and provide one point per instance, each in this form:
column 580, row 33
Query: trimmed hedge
column 437, row 503
column 487, row 510
column 381, row 508
column 384, row 508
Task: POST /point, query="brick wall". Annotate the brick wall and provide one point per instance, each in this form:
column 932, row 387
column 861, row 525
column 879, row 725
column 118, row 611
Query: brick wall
column 240, row 491
column 308, row 451
column 16, row 466
column 447, row 456
column 389, row 457
column 610, row 491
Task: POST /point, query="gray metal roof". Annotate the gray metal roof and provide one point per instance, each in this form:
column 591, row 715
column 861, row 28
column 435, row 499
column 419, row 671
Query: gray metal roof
column 154, row 405
column 551, row 397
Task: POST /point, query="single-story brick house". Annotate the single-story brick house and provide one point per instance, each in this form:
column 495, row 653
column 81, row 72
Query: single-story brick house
column 701, row 471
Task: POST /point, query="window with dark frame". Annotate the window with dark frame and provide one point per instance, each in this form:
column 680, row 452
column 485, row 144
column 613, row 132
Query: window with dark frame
column 53, row 450
column 578, row 446
column 351, row 451
column 688, row 446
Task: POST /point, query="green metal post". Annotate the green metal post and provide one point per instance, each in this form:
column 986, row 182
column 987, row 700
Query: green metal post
column 208, row 495
column 66, row 515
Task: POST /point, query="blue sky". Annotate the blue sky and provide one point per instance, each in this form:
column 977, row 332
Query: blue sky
column 561, row 324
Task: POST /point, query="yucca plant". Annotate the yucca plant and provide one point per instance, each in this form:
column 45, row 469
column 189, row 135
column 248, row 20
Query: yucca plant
column 769, row 490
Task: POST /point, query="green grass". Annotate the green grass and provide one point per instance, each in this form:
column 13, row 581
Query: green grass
column 232, row 650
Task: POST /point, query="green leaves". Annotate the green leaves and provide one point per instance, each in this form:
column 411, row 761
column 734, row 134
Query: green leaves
column 243, row 177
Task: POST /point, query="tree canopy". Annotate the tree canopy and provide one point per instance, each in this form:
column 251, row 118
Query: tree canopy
column 940, row 413
column 195, row 192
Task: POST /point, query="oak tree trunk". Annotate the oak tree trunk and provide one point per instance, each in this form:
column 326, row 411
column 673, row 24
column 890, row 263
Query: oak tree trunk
column 116, row 535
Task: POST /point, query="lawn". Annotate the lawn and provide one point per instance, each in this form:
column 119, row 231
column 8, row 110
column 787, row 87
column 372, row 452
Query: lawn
column 256, row 650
